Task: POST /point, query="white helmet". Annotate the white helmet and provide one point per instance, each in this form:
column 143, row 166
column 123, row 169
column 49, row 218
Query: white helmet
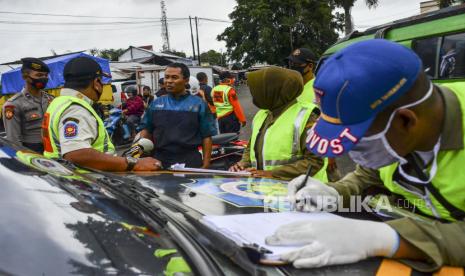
column 194, row 85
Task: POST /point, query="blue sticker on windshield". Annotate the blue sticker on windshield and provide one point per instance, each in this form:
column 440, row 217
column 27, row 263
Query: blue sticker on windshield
column 245, row 192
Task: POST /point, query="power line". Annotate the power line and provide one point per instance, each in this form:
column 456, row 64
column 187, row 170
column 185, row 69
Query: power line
column 75, row 15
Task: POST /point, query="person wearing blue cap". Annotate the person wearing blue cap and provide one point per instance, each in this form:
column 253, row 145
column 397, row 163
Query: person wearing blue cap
column 406, row 135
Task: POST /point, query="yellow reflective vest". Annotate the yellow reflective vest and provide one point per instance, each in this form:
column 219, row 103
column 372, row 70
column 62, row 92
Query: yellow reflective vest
column 50, row 127
column 281, row 143
column 220, row 96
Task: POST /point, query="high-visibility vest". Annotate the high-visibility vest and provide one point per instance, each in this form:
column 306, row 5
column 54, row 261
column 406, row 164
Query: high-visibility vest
column 449, row 178
column 307, row 96
column 220, row 98
column 50, row 127
column 281, row 143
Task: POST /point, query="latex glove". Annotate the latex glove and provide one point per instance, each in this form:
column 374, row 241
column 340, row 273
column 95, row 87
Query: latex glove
column 335, row 241
column 311, row 196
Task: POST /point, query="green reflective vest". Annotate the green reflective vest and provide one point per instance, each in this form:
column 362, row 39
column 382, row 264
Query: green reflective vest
column 220, row 98
column 449, row 179
column 51, row 123
column 281, row 144
column 307, row 96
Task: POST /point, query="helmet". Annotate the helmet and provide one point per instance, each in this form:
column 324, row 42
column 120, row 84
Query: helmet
column 194, row 85
column 131, row 89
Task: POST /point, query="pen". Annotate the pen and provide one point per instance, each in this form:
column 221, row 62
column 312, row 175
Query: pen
column 307, row 175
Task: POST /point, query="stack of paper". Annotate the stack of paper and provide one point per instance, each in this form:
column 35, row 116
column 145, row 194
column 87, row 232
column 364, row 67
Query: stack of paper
column 254, row 228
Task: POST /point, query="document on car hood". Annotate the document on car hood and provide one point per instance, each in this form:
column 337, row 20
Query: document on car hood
column 183, row 168
column 254, row 228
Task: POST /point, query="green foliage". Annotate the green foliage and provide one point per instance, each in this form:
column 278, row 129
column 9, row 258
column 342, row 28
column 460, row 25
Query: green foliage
column 110, row 54
column 213, row 57
column 176, row 53
column 268, row 30
column 347, row 6
column 447, row 3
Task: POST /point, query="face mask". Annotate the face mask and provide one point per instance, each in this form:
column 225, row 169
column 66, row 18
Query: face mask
column 299, row 69
column 374, row 151
column 39, row 83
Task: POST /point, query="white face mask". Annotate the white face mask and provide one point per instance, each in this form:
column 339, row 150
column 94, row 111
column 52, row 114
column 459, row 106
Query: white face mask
column 374, row 151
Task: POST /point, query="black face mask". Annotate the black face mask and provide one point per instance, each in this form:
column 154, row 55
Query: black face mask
column 299, row 69
column 39, row 83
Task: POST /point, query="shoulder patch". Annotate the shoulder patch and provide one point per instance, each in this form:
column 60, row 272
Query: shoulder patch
column 70, row 130
column 9, row 111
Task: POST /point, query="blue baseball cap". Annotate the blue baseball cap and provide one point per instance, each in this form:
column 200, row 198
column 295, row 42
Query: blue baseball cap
column 353, row 86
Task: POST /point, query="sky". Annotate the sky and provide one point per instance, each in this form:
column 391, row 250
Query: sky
column 111, row 24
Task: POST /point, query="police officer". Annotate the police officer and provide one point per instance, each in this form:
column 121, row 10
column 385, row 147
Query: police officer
column 23, row 113
column 72, row 129
column 302, row 60
column 406, row 134
column 228, row 109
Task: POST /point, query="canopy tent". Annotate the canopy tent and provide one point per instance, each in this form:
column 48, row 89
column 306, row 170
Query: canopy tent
column 12, row 81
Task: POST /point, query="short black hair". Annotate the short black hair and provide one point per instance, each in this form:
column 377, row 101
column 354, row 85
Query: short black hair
column 146, row 88
column 78, row 84
column 201, row 76
column 184, row 69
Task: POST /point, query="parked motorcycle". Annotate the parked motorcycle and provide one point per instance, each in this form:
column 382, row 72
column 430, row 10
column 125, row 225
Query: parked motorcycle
column 227, row 150
column 117, row 128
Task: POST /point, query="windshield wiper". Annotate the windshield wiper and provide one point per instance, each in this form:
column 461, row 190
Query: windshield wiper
column 139, row 200
column 181, row 222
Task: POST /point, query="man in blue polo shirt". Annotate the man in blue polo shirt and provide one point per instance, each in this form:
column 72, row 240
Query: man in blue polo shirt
column 178, row 123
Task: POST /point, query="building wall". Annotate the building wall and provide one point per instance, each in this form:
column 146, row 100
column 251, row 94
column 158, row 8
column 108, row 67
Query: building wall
column 136, row 54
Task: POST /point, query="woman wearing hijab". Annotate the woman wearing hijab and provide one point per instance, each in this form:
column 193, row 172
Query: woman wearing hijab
column 277, row 146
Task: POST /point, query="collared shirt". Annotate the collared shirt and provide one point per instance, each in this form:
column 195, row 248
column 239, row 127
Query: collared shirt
column 81, row 121
column 22, row 116
column 179, row 124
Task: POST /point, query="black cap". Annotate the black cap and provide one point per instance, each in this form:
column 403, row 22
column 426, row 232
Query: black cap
column 34, row 64
column 82, row 68
column 302, row 55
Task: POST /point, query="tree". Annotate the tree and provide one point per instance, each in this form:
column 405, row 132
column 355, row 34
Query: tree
column 213, row 57
column 176, row 53
column 110, row 54
column 447, row 3
column 347, row 6
column 268, row 30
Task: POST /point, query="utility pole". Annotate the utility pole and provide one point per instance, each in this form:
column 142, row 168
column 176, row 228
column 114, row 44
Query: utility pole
column 197, row 31
column 164, row 28
column 192, row 38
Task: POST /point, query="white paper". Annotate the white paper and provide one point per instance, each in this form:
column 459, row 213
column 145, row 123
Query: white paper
column 254, row 228
column 183, row 168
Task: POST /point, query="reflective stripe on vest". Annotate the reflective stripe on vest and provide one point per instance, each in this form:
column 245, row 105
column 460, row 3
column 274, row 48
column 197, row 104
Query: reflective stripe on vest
column 51, row 128
column 281, row 143
column 220, row 96
column 448, row 179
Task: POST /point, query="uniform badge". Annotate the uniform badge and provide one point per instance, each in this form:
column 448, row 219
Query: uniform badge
column 71, row 130
column 34, row 116
column 36, row 66
column 9, row 112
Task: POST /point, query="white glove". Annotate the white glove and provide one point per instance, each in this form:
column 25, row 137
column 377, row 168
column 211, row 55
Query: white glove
column 335, row 241
column 314, row 196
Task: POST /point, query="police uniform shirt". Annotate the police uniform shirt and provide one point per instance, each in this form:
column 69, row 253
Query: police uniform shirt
column 78, row 127
column 22, row 116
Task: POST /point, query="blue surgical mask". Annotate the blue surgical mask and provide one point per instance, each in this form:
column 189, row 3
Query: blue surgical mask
column 374, row 151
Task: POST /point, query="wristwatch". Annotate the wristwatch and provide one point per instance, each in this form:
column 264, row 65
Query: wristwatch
column 131, row 161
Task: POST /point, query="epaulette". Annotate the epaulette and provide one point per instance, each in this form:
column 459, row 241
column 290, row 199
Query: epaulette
column 15, row 97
